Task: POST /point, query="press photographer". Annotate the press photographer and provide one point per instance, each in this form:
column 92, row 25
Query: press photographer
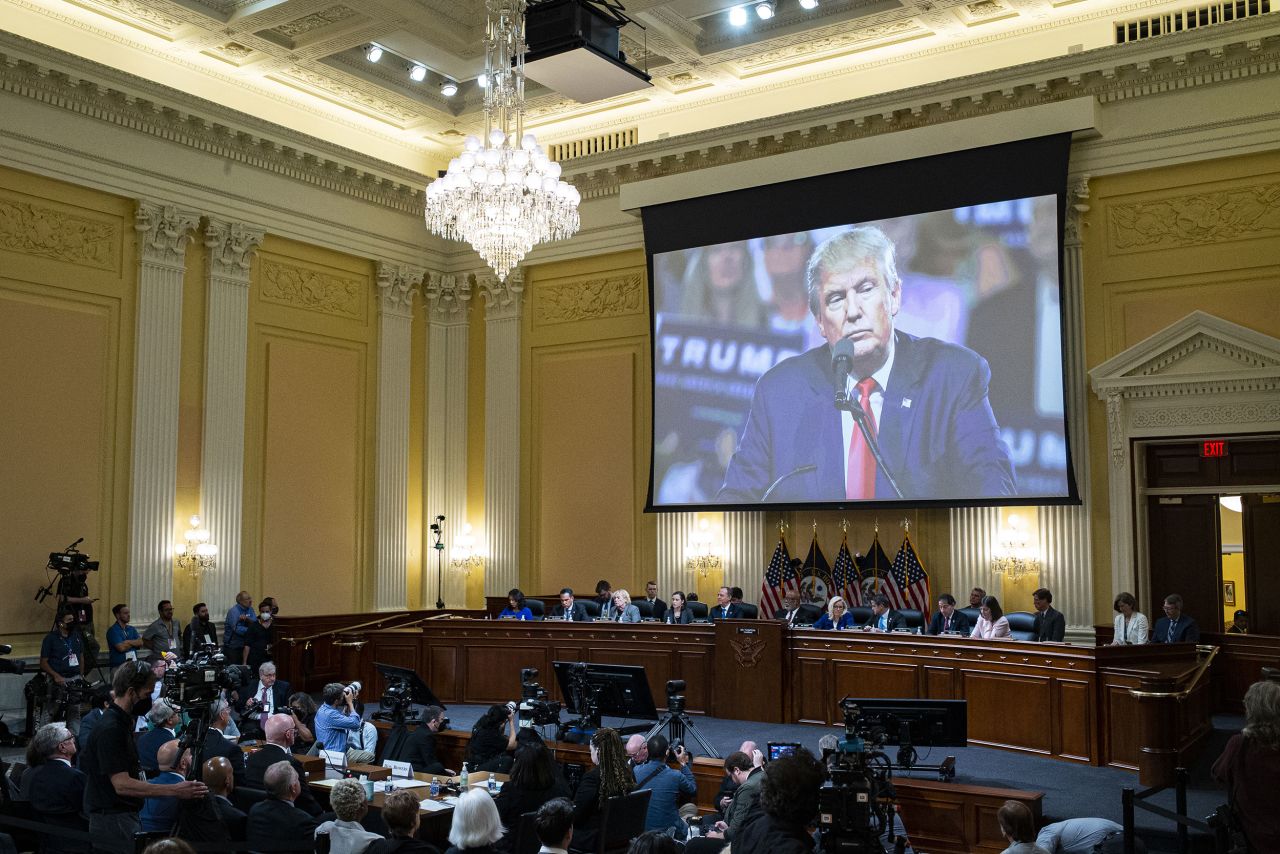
column 337, row 719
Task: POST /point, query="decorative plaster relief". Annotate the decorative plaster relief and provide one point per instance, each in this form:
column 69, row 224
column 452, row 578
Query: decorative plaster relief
column 1210, row 415
column 397, row 284
column 48, row 233
column 163, row 232
column 130, row 9
column 1246, row 358
column 314, row 21
column 350, row 93
column 447, row 295
column 589, row 299
column 502, row 299
column 1197, row 218
column 231, row 249
column 312, row 290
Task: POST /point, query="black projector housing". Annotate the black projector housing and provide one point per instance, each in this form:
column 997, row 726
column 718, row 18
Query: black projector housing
column 573, row 48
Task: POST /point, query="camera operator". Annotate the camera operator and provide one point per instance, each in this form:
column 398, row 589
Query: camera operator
column 788, row 805
column 122, row 638
column 419, row 749
column 73, row 596
column 115, row 789
column 54, row 788
column 337, row 719
column 62, row 658
column 667, row 784
column 493, row 738
column 165, row 632
column 200, row 631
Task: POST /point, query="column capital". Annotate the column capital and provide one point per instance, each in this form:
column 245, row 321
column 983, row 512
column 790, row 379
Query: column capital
column 448, row 296
column 231, row 246
column 502, row 299
column 1077, row 207
column 163, row 232
column 396, row 285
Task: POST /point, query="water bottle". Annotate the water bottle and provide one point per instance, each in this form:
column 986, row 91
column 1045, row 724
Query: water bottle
column 493, row 785
column 435, row 787
column 463, row 777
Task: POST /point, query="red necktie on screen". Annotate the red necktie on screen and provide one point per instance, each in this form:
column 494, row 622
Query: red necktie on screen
column 262, row 718
column 860, row 479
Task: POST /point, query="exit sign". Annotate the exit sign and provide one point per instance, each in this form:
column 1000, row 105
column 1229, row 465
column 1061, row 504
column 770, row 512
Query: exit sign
column 1213, row 448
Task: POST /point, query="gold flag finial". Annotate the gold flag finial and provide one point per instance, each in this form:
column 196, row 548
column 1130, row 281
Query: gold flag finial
column 844, row 525
column 815, row 527
column 782, row 526
column 877, row 525
column 906, row 525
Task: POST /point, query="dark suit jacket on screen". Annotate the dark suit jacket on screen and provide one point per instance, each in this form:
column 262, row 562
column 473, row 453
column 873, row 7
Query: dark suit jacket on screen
column 1050, row 625
column 959, row 623
column 579, row 614
column 1186, row 630
column 936, row 429
column 276, row 825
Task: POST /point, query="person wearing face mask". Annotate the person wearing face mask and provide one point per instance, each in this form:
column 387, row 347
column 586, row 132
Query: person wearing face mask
column 62, row 658
column 257, row 640
column 115, row 789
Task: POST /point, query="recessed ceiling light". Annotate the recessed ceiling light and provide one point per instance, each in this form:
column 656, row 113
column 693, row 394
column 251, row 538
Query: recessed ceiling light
column 417, row 73
column 765, row 9
column 738, row 16
column 448, row 88
column 373, row 53
column 808, row 4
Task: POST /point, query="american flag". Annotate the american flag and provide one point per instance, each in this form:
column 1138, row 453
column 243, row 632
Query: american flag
column 845, row 580
column 779, row 580
column 910, row 578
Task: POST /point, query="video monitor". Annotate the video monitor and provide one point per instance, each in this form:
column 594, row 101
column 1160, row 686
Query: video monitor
column 922, row 723
column 779, row 749
column 613, row 690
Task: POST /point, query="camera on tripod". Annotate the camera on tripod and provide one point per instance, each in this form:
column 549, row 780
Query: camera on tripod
column 856, row 807
column 200, row 680
column 535, row 709
column 66, row 562
column 675, row 700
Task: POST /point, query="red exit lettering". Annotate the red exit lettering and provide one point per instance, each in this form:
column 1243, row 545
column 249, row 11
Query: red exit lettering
column 1214, row 448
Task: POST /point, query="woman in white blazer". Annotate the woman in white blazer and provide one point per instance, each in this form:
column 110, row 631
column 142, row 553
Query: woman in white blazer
column 1131, row 625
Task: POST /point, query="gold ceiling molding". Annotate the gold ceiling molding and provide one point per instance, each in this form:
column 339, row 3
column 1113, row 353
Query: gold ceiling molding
column 1223, row 216
column 312, row 290
column 588, row 299
column 45, row 232
column 400, row 111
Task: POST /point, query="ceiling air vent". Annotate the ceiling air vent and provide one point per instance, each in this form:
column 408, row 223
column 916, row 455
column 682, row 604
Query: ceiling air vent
column 1191, row 18
column 559, row 151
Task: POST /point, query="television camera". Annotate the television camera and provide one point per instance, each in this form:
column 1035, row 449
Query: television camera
column 856, row 807
column 64, row 563
column 535, row 709
column 201, row 679
column 403, row 689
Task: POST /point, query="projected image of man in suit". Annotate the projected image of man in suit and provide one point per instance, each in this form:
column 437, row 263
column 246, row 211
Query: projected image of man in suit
column 925, row 400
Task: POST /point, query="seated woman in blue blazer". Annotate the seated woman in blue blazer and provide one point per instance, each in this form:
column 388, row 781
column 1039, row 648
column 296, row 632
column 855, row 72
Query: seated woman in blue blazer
column 516, row 609
column 837, row 616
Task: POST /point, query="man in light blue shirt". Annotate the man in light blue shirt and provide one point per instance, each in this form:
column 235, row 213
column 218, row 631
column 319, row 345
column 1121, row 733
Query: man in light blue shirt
column 667, row 785
column 1078, row 835
column 334, row 725
column 239, row 616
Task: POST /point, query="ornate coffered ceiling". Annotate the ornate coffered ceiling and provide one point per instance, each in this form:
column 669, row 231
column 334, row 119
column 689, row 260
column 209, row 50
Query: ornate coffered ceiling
column 300, row 63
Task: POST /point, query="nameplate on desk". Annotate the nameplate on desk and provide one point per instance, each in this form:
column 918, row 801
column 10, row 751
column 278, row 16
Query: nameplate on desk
column 398, row 769
column 744, row 631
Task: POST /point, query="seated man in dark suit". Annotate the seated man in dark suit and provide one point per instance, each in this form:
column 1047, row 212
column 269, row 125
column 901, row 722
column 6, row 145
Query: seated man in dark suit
column 419, row 748
column 279, row 734
column 275, row 824
column 725, row 608
column 217, row 744
column 54, row 788
column 263, row 697
column 1049, row 625
column 569, row 610
column 1175, row 626
column 790, row 609
column 164, row 719
column 948, row 619
column 221, row 780
column 656, row 605
column 883, row 617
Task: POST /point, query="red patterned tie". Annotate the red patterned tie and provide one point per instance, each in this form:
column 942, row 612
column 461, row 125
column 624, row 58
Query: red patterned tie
column 860, row 479
column 262, row 718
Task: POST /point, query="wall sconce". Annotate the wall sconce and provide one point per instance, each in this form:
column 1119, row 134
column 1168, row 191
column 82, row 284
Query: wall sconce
column 702, row 557
column 1015, row 557
column 197, row 554
column 464, row 556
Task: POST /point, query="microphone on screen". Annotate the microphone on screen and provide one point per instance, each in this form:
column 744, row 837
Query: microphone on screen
column 841, row 365
column 795, row 471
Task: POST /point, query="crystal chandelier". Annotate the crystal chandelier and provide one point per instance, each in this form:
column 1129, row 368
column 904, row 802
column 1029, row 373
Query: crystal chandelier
column 502, row 194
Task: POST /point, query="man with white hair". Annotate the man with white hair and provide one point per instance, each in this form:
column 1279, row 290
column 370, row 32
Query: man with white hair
column 164, row 718
column 637, row 750
column 159, row 814
column 274, row 823
column 54, row 787
column 216, row 742
column 262, row 698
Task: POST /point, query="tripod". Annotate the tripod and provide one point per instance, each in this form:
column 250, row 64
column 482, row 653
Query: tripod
column 678, row 726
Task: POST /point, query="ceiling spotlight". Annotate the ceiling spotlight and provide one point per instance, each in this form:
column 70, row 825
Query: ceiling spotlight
column 738, row 16
column 373, row 53
column 417, row 73
column 765, row 9
column 808, row 4
column 483, row 81
column 449, row 88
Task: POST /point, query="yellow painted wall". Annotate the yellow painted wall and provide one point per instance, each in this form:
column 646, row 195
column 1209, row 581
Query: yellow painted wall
column 67, row 276
column 1231, row 525
column 1159, row 244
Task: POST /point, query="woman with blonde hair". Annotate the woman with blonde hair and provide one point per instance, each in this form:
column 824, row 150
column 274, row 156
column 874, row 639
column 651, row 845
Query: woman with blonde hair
column 1250, row 767
column 838, row 615
column 622, row 610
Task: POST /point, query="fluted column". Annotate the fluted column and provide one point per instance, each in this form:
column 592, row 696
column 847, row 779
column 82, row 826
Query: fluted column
column 396, row 286
column 231, row 248
column 744, row 546
column 503, row 306
column 973, row 539
column 163, row 232
column 675, row 530
column 447, row 305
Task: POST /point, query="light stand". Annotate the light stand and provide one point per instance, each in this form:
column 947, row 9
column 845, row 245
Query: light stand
column 438, row 530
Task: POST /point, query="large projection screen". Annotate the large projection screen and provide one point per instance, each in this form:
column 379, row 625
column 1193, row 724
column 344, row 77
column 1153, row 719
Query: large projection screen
column 883, row 336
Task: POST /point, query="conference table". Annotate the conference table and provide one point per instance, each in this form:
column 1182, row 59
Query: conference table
column 1135, row 707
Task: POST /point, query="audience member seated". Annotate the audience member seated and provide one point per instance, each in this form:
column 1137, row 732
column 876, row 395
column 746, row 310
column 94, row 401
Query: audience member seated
column 1175, row 626
column 365, row 739
column 402, row 812
column 553, row 824
column 164, row 719
column 622, row 611
column 492, row 739
column 788, row 806
column 476, row 825
column 516, row 608
column 570, row 610
column 1249, row 767
column 1130, row 625
column 610, row 776
column 656, row 605
column 976, row 595
column 535, row 779
column 97, row 708
column 303, row 709
column 419, row 748
column 54, row 788
column 883, row 617
column 947, row 620
column 679, row 612
column 159, row 814
column 1239, row 623
column 346, row 836
column 1017, row 824
column 653, row 842
column 1050, row 625
column 336, row 720
column 172, row 845
column 263, row 697
column 220, row 777
column 725, row 608
column 604, row 594
column 746, row 797
column 1080, row 836
column 275, row 824
column 666, row 784
column 991, row 621
column 279, row 739
column 217, row 744
column 837, row 616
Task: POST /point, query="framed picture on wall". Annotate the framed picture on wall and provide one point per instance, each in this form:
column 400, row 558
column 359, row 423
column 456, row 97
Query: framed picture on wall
column 1229, row 593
